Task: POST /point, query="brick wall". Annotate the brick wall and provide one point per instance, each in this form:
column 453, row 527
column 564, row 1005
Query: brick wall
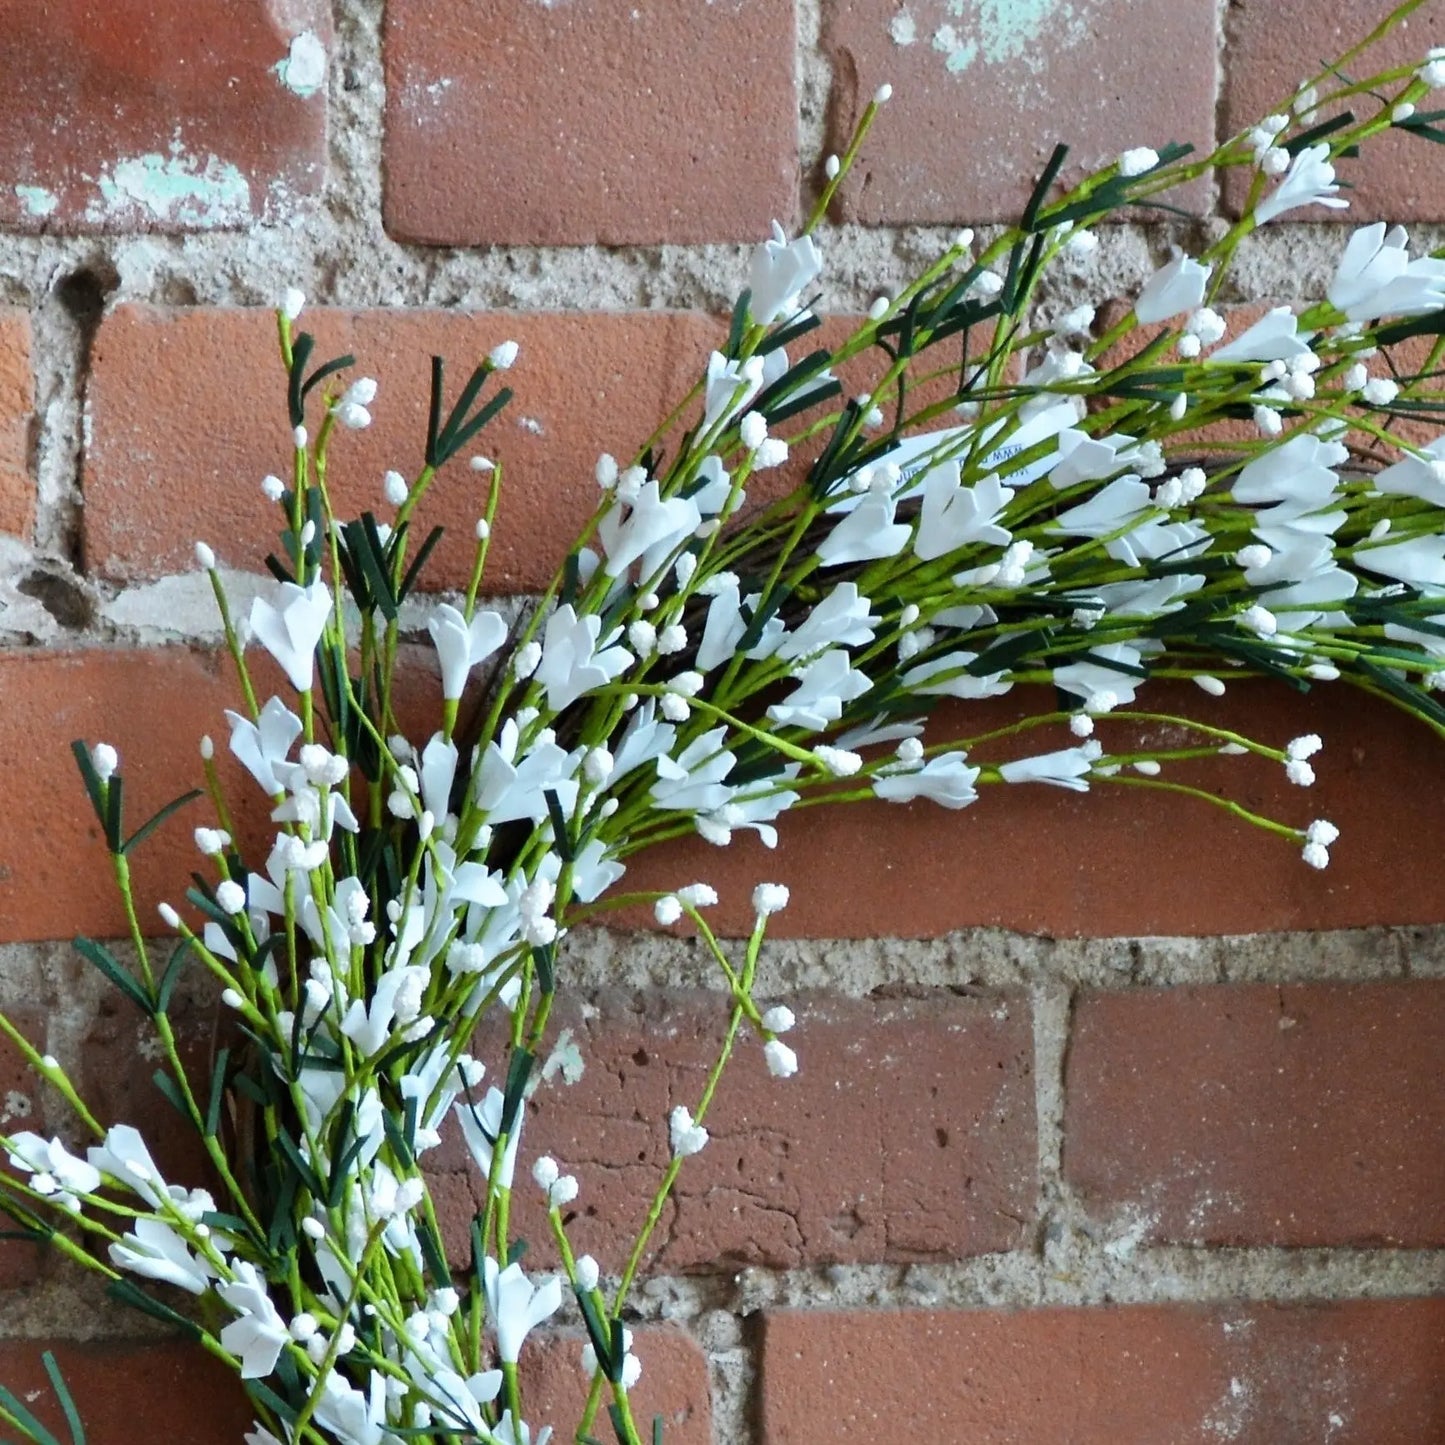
column 1115, row 1123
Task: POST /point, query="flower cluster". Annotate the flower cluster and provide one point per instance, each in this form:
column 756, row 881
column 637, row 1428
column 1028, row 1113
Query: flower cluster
column 702, row 664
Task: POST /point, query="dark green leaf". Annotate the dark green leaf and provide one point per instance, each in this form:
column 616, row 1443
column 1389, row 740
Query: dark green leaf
column 114, row 812
column 132, row 1295
column 171, row 1090
column 434, row 411
column 517, row 1251
column 146, row 829
column 301, row 349
column 418, row 562
column 519, row 1070
column 597, row 1330
column 738, row 323
column 172, row 974
column 322, row 372
column 1318, row 132
column 561, row 833
column 93, row 784
column 102, row 958
column 544, row 958
column 62, row 1393
column 785, row 335
column 464, row 434
column 1041, row 189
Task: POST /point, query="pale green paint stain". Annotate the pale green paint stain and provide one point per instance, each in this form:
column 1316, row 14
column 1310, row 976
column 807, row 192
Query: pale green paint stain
column 37, row 200
column 1001, row 30
column 178, row 187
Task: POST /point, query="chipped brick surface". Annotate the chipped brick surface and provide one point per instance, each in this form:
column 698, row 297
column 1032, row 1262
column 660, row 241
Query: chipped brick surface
column 907, row 1134
column 167, row 115
column 981, row 94
column 656, row 128
column 1302, row 1115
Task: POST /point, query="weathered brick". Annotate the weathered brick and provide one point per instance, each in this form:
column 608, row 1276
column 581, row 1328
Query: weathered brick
column 171, row 115
column 860, row 1157
column 1302, row 1115
column 1273, row 47
column 17, row 407
column 674, row 1385
column 20, row 1109
column 1112, row 863
column 131, row 1392
column 188, row 412
column 1358, row 1373
column 980, row 99
column 562, row 125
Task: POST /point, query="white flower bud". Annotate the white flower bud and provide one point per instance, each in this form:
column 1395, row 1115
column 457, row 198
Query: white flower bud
column 483, row 529
column 545, row 1172
column 230, row 896
column 1212, row 685
column 606, row 472
column 667, row 910
column 831, row 167
column 353, row 416
column 394, row 488
column 687, row 1138
column 205, row 558
column 698, row 895
column 272, row 488
column 482, row 464
column 1138, row 160
column 753, row 430
column 883, row 94
column 769, row 898
column 587, row 1272
column 782, row 1061
column 299, row 437
column 105, row 760
column 169, row 916
column 231, row 998
column 779, row 1019
column 293, row 303
column 504, row 357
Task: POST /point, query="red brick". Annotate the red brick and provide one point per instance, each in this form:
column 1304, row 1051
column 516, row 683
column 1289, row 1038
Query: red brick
column 155, row 480
column 129, row 1393
column 17, row 408
column 980, row 100
column 1273, row 47
column 1247, row 1114
column 20, row 1109
column 1119, row 862
column 857, row 1158
column 674, row 1385
column 120, row 1056
column 1358, row 1373
column 167, row 115
column 542, row 125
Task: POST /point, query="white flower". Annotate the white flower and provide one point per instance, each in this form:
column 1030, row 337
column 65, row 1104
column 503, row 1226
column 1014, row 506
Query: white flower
column 1274, row 337
column 258, row 1336
column 824, row 686
column 686, row 1137
column 864, row 534
column 49, row 1159
column 838, row 761
column 154, row 1250
column 782, row 1061
column 394, row 488
column 1177, row 287
column 588, row 1272
column 953, row 515
column 230, row 896
column 1422, row 476
column 352, row 415
column 290, row 629
column 126, row 1159
column 105, row 760
column 651, row 530
column 1300, row 773
column 1067, row 768
column 667, row 910
column 769, row 898
column 517, row 1305
column 946, row 780
column 842, row 619
column 1309, row 180
column 1418, row 561
column 1316, row 855
column 1138, row 160
column 461, row 645
column 481, row 1126
column 572, row 664
column 780, row 270
column 1376, row 277
column 1379, row 391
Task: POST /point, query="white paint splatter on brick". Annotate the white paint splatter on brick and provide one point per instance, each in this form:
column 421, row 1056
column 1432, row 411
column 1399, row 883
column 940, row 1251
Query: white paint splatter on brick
column 303, row 69
column 17, row 1106
column 903, row 28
